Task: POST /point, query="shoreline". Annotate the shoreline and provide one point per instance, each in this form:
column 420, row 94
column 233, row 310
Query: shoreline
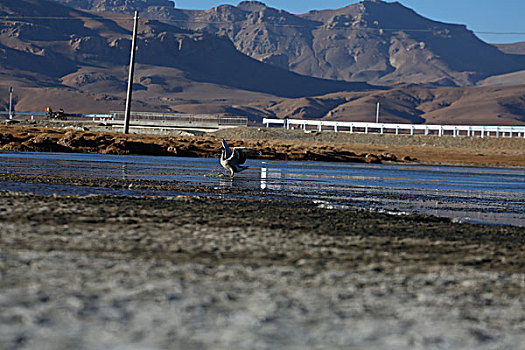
column 275, row 144
column 78, row 186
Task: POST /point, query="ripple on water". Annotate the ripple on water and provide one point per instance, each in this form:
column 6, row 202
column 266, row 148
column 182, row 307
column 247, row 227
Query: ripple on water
column 480, row 195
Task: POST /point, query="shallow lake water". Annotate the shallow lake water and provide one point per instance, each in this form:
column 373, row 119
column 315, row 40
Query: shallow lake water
column 469, row 194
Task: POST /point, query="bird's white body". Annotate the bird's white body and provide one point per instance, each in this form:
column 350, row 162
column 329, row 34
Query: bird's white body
column 233, row 160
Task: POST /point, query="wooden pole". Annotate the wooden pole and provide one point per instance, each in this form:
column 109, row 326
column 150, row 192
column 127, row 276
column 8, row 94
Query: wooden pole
column 10, row 102
column 131, row 70
column 377, row 111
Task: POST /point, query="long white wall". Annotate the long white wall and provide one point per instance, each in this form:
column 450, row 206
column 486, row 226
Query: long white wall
column 382, row 128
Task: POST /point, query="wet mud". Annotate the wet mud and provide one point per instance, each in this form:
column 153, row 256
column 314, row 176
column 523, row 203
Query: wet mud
column 196, row 272
column 317, row 236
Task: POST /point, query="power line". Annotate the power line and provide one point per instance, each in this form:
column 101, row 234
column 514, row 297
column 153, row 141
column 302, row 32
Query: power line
column 500, row 33
column 16, row 18
column 429, row 30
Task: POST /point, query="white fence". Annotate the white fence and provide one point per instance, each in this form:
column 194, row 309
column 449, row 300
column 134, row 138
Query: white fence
column 41, row 115
column 184, row 118
column 382, row 128
column 186, row 121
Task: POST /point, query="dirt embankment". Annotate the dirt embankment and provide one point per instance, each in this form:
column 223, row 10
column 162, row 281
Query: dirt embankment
column 40, row 139
column 278, row 144
column 461, row 150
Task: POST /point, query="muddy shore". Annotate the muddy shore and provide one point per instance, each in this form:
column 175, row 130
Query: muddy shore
column 277, row 144
column 201, row 273
column 40, row 139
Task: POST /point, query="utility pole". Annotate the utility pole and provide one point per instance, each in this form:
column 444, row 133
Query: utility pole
column 10, row 102
column 131, row 70
column 377, row 109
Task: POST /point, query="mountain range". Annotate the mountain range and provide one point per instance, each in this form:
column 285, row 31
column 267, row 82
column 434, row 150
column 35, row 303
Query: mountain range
column 373, row 41
column 258, row 61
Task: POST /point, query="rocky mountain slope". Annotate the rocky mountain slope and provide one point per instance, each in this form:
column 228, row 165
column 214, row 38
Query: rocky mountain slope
column 439, row 105
column 77, row 59
column 514, row 48
column 150, row 8
column 82, row 52
column 375, row 41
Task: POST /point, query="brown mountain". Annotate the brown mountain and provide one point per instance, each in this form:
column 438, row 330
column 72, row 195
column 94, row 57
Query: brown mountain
column 514, row 48
column 79, row 62
column 81, row 52
column 154, row 9
column 490, row 105
column 374, row 41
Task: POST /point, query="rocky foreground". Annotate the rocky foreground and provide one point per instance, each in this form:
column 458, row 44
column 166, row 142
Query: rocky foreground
column 198, row 273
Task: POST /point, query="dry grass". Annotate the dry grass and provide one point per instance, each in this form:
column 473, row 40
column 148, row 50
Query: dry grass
column 488, row 151
column 277, row 143
column 373, row 139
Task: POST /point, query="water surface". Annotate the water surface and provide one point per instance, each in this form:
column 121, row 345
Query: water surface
column 472, row 194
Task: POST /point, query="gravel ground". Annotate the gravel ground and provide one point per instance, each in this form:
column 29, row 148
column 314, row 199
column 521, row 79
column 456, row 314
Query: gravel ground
column 103, row 272
column 448, row 141
column 461, row 150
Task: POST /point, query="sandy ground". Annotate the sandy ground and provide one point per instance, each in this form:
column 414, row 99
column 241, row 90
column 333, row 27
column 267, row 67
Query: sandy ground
column 196, row 273
column 271, row 143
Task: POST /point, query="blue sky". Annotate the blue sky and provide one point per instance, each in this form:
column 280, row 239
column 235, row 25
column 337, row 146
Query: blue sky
column 479, row 15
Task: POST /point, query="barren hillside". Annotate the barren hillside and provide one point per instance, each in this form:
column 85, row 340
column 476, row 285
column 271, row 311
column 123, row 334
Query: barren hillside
column 79, row 62
column 374, row 41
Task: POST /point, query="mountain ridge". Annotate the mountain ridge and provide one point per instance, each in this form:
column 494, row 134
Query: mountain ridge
column 379, row 42
column 80, row 63
column 86, row 52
